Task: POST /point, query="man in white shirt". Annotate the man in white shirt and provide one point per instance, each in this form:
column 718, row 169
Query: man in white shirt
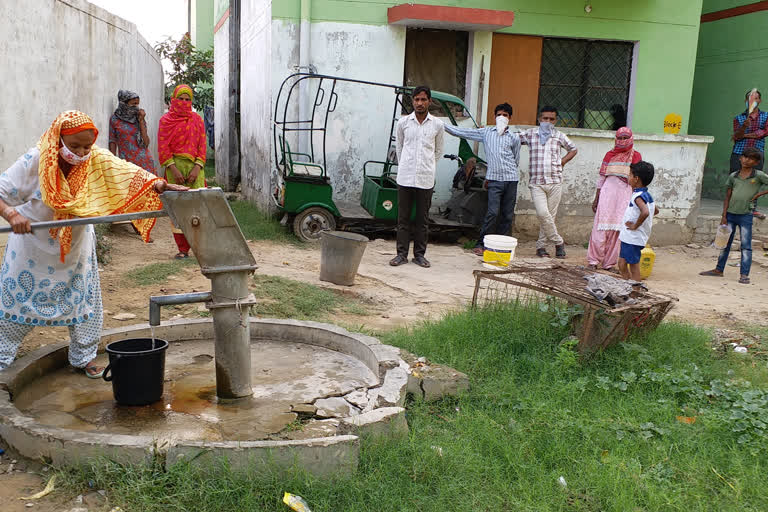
column 419, row 145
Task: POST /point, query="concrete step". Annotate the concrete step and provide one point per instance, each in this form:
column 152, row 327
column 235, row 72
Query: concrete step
column 706, row 226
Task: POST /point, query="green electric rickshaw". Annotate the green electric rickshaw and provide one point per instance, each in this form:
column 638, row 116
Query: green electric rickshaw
column 302, row 187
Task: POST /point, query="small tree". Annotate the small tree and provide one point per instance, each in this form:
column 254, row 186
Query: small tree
column 189, row 66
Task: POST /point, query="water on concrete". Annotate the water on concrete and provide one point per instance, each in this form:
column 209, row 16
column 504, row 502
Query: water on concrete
column 284, row 374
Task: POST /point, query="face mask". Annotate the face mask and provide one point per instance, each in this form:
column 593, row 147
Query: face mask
column 181, row 105
column 70, row 157
column 501, row 124
column 545, row 131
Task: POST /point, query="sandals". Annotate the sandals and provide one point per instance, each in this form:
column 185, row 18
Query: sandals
column 711, row 273
column 542, row 253
column 92, row 371
column 422, row 261
column 181, row 256
column 398, row 260
column 744, row 279
column 478, row 251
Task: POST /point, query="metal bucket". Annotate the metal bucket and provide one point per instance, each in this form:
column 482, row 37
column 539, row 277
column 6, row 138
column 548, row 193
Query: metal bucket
column 340, row 257
column 136, row 370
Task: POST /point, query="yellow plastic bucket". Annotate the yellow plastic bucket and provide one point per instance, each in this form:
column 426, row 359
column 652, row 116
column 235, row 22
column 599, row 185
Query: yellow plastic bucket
column 498, row 251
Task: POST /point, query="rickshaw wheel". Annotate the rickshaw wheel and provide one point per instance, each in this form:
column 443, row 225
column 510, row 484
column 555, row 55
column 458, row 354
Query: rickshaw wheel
column 308, row 224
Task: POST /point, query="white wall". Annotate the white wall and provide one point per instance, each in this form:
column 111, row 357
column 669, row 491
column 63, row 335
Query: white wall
column 221, row 101
column 60, row 56
column 676, row 187
column 359, row 129
column 256, row 104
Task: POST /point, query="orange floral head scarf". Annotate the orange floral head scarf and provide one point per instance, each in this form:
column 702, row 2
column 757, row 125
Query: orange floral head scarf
column 102, row 185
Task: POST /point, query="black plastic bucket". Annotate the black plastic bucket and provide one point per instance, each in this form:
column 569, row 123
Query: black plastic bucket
column 136, row 370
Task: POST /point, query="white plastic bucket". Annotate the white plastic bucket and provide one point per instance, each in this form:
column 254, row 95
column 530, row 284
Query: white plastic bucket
column 498, row 251
column 722, row 235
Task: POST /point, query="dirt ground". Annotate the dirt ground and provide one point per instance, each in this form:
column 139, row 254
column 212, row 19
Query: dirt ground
column 407, row 294
column 394, row 297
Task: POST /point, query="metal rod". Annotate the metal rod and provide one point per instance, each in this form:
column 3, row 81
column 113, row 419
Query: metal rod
column 171, row 300
column 79, row 221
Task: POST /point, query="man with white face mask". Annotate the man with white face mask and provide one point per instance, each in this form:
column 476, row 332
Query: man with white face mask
column 502, row 150
column 546, row 176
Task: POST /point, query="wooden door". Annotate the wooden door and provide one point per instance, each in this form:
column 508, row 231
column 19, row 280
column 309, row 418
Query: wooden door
column 515, row 69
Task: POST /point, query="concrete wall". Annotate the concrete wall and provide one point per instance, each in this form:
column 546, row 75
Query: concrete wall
column 59, row 56
column 222, row 100
column 359, row 128
column 676, row 186
column 727, row 66
column 255, row 111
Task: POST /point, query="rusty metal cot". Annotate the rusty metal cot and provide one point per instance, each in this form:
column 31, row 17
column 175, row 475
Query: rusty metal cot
column 598, row 325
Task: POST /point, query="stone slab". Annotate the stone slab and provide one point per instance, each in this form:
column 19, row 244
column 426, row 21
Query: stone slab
column 321, row 457
column 386, row 421
column 392, row 392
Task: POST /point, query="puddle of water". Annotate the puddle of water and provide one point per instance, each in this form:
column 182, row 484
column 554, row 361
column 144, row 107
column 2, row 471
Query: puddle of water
column 283, row 374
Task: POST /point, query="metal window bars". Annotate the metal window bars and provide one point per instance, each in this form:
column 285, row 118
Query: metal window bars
column 587, row 81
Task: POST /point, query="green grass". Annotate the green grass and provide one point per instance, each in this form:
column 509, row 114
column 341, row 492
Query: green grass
column 254, row 223
column 285, row 298
column 210, row 171
column 534, row 413
column 156, row 272
column 257, row 225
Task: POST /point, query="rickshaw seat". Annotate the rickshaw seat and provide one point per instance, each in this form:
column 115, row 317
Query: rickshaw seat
column 297, row 167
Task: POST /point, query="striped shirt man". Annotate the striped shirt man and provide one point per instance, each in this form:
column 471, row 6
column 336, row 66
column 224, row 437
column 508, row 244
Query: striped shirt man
column 546, row 167
column 502, row 151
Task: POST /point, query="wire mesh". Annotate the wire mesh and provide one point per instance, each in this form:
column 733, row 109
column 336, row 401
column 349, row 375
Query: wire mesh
column 596, row 324
column 587, row 81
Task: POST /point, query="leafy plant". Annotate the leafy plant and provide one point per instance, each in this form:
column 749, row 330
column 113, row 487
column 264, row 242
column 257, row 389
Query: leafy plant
column 566, row 355
column 188, row 66
column 561, row 311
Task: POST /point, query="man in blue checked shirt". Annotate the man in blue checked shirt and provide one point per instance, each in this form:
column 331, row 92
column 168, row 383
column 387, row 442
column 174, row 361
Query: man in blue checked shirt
column 502, row 150
column 749, row 130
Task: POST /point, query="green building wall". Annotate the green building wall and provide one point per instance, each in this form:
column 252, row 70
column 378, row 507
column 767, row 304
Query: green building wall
column 667, row 32
column 202, row 31
column 732, row 58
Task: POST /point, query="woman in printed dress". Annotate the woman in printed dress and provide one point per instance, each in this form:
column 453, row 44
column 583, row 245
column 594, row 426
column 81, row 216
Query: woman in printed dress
column 51, row 277
column 181, row 146
column 128, row 137
column 611, row 200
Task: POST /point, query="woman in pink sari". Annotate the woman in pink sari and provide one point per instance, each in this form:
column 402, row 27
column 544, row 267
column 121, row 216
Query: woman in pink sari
column 611, row 200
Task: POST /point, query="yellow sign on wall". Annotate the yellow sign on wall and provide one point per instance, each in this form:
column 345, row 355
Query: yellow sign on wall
column 673, row 123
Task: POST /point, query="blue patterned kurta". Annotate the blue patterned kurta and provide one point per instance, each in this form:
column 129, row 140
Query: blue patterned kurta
column 37, row 288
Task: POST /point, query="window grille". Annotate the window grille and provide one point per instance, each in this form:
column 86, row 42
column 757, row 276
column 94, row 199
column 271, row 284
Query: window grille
column 587, row 81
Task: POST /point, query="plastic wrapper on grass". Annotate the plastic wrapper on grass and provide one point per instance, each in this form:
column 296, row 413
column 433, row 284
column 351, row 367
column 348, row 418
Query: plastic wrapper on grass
column 296, row 503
